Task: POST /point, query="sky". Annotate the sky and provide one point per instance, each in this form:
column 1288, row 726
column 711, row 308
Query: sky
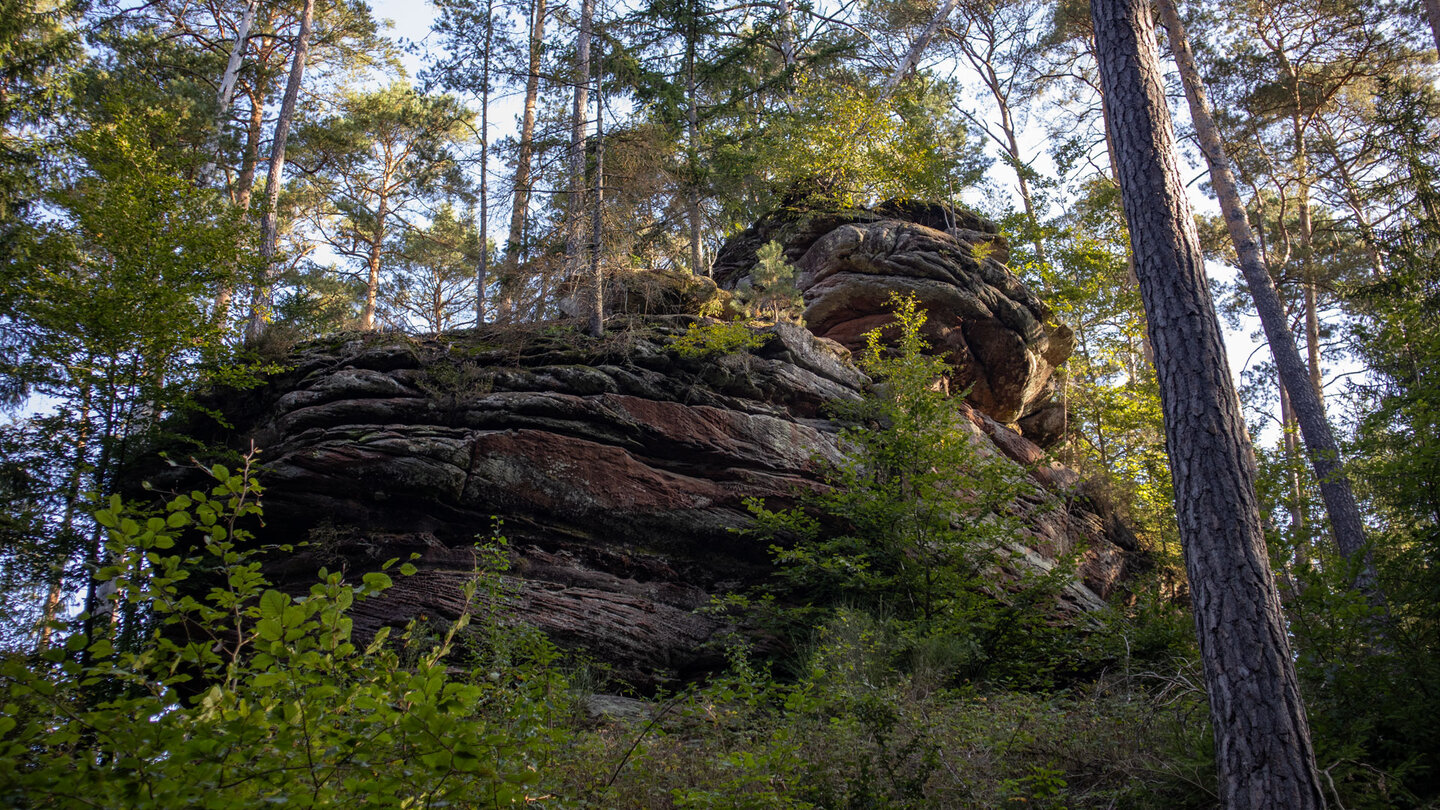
column 411, row 20
column 409, row 23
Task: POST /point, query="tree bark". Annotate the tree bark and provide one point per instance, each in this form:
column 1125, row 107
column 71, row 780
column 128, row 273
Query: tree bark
column 1357, row 209
column 692, row 142
column 1320, row 444
column 1432, row 10
column 245, row 183
column 787, row 51
column 373, row 261
column 912, row 57
column 482, row 269
column 262, row 300
column 575, row 228
column 1262, row 738
column 510, row 269
column 226, row 93
column 1292, row 454
column 1011, row 145
column 596, row 313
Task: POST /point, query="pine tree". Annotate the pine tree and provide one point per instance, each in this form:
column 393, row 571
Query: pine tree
column 1262, row 736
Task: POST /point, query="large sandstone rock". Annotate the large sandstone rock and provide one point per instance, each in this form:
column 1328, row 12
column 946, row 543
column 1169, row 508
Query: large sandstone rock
column 618, row 467
column 1000, row 338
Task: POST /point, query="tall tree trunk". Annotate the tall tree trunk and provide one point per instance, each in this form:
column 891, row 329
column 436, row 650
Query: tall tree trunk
column 575, row 225
column 262, row 300
column 1307, row 258
column 1262, row 737
column 787, row 51
column 510, row 268
column 483, row 268
column 1320, row 444
column 1289, row 426
column 226, row 92
column 912, row 56
column 596, row 313
column 50, row 611
column 692, row 143
column 1010, row 142
column 1301, row 163
column 373, row 261
column 1362, row 220
column 245, row 183
column 787, row 34
column 1131, row 279
column 1432, row 10
column 244, row 186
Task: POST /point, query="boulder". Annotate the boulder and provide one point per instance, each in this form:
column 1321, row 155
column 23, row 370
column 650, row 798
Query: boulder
column 1001, row 339
column 616, row 468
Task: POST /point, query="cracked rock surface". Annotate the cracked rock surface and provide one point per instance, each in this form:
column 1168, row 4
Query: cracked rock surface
column 618, row 467
column 1000, row 338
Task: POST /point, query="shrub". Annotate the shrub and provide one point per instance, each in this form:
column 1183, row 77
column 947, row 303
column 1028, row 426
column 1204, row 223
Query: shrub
column 916, row 526
column 705, row 340
column 282, row 705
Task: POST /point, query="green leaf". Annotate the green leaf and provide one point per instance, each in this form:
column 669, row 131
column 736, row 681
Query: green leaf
column 272, row 603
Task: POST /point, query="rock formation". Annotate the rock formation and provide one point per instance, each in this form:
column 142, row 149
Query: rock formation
column 996, row 333
column 619, row 466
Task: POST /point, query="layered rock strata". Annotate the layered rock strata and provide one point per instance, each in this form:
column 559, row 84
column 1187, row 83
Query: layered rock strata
column 1001, row 339
column 618, row 467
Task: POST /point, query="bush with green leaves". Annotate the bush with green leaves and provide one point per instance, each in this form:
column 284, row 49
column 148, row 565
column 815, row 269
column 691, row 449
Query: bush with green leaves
column 243, row 695
column 919, row 524
column 851, row 732
column 703, row 340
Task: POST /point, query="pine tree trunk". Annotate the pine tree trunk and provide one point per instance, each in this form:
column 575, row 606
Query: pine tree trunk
column 372, row 265
column 982, row 62
column 1289, row 426
column 596, row 324
column 787, row 51
column 1262, row 738
column 226, row 92
column 244, row 187
column 245, row 182
column 510, row 268
column 575, row 225
column 1012, row 148
column 74, row 491
column 1320, row 444
column 262, row 301
column 1432, row 10
column 482, row 269
column 912, row 56
column 1362, row 220
column 692, row 138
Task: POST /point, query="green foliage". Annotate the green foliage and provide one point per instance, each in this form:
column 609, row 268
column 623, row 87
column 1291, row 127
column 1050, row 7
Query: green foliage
column 1115, row 434
column 433, row 285
column 1370, row 701
column 774, row 280
column 717, row 339
column 916, row 526
column 851, row 732
column 241, row 694
column 843, row 145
